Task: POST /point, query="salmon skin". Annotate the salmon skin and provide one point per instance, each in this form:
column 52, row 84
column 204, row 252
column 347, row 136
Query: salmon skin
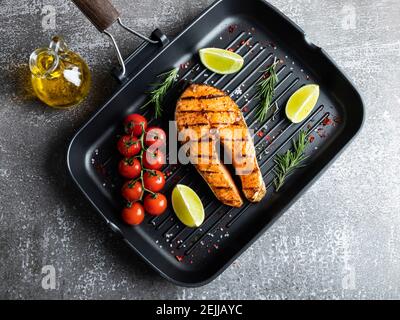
column 207, row 117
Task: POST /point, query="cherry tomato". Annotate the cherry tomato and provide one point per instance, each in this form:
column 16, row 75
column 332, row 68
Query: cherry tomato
column 130, row 168
column 129, row 146
column 156, row 136
column 135, row 124
column 154, row 180
column 133, row 214
column 156, row 204
column 153, row 160
column 132, row 191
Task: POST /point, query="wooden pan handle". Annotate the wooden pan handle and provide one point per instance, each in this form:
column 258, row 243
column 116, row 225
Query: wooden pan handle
column 101, row 13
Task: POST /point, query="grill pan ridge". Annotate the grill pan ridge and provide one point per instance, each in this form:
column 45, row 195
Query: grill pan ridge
column 259, row 32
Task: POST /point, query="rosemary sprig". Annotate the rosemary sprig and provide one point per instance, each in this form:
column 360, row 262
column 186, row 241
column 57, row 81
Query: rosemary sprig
column 160, row 90
column 290, row 161
column 266, row 91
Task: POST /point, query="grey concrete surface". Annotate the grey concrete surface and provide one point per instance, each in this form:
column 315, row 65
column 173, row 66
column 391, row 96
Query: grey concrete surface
column 340, row 240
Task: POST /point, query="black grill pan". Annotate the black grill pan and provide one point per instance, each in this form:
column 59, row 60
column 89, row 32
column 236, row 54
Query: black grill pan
column 259, row 32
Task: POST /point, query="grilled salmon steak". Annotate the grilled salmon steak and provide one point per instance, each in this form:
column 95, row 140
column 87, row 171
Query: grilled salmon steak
column 206, row 117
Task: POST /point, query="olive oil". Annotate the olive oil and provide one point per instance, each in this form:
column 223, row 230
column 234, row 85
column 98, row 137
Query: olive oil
column 60, row 77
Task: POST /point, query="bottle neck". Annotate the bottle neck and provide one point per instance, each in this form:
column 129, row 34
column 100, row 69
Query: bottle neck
column 43, row 62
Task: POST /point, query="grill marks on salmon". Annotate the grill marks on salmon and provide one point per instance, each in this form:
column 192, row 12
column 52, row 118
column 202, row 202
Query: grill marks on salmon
column 206, row 116
column 204, row 155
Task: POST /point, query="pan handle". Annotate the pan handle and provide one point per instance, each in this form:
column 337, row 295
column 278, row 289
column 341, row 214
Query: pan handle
column 103, row 14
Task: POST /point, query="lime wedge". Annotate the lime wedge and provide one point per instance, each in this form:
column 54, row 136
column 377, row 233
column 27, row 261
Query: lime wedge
column 221, row 61
column 187, row 206
column 302, row 102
